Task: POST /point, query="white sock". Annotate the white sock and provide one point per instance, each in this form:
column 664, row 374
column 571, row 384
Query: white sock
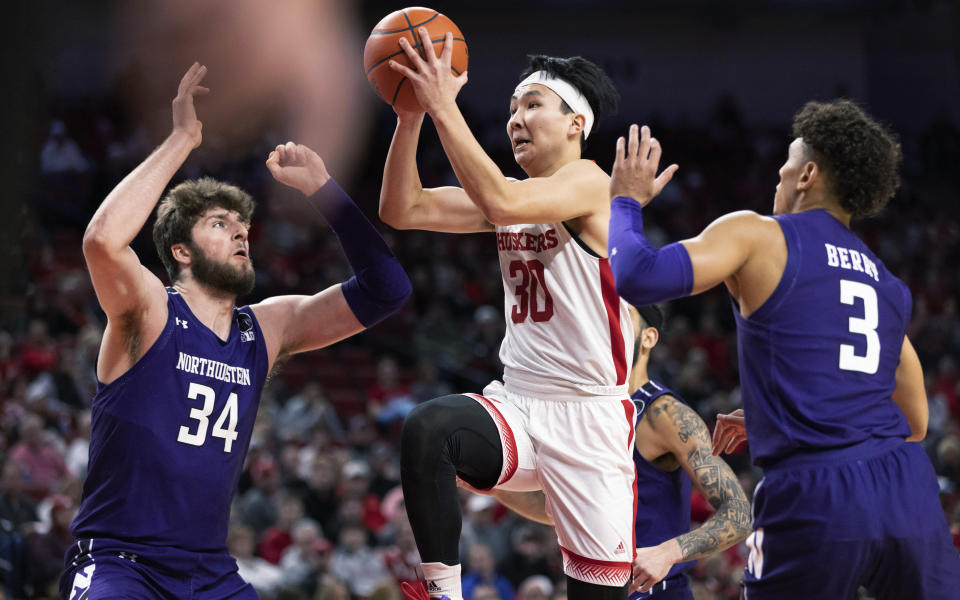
column 442, row 580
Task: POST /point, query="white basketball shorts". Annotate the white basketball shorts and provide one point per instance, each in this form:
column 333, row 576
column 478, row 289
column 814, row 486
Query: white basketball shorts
column 580, row 453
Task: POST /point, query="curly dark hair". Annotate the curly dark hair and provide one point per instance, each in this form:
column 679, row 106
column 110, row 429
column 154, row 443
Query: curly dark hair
column 183, row 205
column 860, row 156
column 588, row 78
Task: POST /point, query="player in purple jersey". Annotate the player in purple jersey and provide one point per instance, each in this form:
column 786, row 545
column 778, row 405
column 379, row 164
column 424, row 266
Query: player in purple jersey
column 672, row 447
column 832, row 388
column 180, row 369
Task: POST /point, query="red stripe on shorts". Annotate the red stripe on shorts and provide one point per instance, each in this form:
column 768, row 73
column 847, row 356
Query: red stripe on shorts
column 612, row 303
column 591, row 570
column 509, row 443
column 630, row 410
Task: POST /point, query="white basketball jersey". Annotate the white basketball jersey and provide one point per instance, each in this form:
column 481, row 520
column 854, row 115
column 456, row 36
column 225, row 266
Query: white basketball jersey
column 569, row 334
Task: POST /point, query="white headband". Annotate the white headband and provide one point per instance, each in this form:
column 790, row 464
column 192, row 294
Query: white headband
column 567, row 93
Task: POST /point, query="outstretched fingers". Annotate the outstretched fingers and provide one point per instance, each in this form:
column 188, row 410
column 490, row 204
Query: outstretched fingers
column 403, row 69
column 644, row 151
column 446, row 56
column 190, row 82
column 416, row 61
column 633, row 142
column 427, row 44
column 664, row 178
column 188, row 77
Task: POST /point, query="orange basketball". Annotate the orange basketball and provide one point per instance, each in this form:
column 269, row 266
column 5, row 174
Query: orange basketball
column 383, row 45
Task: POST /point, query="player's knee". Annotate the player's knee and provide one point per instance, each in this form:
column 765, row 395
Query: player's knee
column 423, row 429
column 415, row 426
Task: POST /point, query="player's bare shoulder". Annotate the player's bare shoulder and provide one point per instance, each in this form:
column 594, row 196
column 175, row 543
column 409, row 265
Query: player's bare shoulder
column 587, row 171
column 746, row 218
column 758, row 231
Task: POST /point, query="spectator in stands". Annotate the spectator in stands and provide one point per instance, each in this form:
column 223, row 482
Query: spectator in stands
column 480, row 527
column 257, row 507
column 355, row 485
column 15, row 507
column 321, row 502
column 60, row 153
column 484, row 592
column 402, row 558
column 278, row 537
column 428, row 383
column 265, row 577
column 306, row 410
column 304, row 561
column 535, row 587
column 40, row 458
column 354, row 562
column 481, row 571
column 46, row 549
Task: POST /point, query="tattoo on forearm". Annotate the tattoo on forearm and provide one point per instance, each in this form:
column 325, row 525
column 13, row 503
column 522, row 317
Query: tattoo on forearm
column 731, row 521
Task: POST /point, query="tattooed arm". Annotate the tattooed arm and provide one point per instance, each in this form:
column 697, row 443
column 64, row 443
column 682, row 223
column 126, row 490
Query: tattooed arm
column 672, row 427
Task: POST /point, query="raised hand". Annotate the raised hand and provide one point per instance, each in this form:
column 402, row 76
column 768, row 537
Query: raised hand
column 433, row 83
column 299, row 167
column 730, row 432
column 635, row 167
column 184, row 114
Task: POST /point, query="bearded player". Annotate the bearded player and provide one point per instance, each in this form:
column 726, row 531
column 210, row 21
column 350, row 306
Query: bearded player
column 181, row 368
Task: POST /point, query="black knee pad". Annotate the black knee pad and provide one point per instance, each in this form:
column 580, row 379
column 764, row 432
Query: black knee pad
column 454, row 429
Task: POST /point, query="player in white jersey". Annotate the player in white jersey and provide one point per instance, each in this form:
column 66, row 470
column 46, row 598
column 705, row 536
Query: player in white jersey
column 562, row 420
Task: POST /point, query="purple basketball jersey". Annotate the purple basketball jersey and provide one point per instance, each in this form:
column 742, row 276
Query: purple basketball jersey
column 818, row 359
column 168, row 437
column 663, row 497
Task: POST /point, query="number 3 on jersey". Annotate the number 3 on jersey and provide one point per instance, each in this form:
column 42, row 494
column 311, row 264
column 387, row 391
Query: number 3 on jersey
column 867, row 327
column 229, row 414
column 532, row 277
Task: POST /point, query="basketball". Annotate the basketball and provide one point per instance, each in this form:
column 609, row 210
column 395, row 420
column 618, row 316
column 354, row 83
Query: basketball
column 383, row 45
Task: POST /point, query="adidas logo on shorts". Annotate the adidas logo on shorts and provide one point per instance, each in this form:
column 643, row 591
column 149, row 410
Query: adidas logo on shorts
column 620, row 549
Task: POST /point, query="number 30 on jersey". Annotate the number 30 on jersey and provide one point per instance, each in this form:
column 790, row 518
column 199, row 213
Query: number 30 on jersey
column 532, row 278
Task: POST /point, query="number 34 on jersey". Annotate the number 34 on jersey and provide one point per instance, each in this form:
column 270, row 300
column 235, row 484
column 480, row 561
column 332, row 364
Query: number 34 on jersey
column 225, row 427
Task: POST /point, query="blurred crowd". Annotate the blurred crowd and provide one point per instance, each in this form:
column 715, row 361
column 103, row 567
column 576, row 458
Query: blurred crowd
column 319, row 512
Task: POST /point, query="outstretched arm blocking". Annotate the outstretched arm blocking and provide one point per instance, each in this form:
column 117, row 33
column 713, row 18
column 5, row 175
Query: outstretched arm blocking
column 379, row 287
column 644, row 274
column 122, row 285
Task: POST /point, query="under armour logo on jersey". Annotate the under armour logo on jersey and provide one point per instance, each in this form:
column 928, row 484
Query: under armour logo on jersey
column 128, row 556
column 620, row 549
column 181, row 322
